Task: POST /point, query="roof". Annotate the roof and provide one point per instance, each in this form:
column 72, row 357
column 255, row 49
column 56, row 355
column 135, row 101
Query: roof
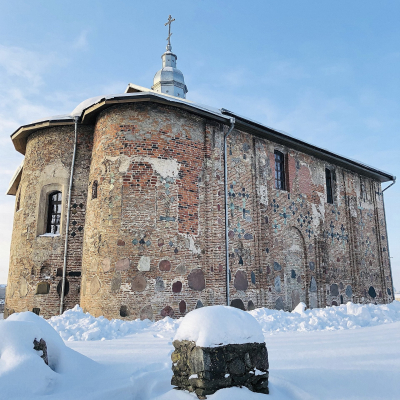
column 15, row 180
column 88, row 110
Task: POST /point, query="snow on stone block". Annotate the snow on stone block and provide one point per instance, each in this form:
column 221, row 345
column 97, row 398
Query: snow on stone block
column 219, row 326
column 219, row 347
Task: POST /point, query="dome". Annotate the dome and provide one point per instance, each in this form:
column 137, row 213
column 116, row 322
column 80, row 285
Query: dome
column 169, row 79
column 168, row 74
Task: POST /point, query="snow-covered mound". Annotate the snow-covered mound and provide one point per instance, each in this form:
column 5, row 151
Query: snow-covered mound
column 74, row 324
column 219, row 325
column 22, row 370
column 346, row 316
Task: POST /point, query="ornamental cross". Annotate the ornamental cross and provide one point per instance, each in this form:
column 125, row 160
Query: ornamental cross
column 170, row 20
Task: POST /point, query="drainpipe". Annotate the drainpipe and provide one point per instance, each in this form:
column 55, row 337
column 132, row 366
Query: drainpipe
column 387, row 238
column 68, row 214
column 226, row 208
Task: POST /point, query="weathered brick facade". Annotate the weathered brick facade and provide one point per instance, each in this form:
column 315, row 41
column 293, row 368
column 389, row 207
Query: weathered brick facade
column 151, row 243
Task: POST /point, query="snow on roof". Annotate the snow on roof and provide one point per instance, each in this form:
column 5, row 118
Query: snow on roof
column 218, row 326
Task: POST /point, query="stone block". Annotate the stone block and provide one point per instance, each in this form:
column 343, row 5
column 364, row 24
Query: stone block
column 204, row 370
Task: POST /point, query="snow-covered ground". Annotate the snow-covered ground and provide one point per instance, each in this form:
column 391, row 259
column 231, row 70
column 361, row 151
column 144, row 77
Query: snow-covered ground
column 346, row 352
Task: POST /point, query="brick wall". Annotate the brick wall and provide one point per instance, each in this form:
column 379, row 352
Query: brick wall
column 38, row 259
column 153, row 237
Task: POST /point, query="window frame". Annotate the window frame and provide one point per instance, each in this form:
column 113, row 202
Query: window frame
column 54, row 217
column 280, row 182
column 329, row 185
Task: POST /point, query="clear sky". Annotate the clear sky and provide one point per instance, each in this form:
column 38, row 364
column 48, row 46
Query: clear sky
column 325, row 72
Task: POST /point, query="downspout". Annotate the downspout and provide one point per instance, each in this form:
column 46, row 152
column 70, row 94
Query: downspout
column 68, row 214
column 226, row 208
column 387, row 238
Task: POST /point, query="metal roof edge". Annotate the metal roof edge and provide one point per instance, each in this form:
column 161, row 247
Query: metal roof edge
column 15, row 180
column 327, row 155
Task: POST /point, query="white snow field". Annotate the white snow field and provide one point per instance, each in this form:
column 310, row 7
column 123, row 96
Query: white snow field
column 346, row 352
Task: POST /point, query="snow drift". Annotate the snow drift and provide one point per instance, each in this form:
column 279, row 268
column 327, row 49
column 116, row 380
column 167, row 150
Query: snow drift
column 19, row 359
column 75, row 325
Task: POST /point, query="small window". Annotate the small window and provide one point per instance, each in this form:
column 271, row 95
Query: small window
column 328, row 178
column 94, row 190
column 279, row 170
column 18, row 202
column 54, row 213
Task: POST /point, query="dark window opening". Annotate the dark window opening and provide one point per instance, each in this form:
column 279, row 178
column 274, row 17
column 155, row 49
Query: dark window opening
column 18, row 202
column 36, row 311
column 94, row 190
column 328, row 178
column 279, row 170
column 123, row 311
column 54, row 213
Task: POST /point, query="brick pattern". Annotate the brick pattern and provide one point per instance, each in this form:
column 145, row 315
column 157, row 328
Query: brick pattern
column 35, row 259
column 152, row 243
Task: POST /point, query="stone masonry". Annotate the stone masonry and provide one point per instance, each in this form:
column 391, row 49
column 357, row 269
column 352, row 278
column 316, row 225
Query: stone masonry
column 204, row 370
column 147, row 221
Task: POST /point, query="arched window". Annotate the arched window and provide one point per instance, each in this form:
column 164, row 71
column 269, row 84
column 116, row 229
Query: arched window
column 94, row 190
column 279, row 170
column 54, row 213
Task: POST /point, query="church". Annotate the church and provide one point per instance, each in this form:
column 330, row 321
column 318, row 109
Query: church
column 146, row 205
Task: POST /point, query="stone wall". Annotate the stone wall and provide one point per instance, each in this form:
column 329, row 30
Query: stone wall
column 153, row 237
column 36, row 261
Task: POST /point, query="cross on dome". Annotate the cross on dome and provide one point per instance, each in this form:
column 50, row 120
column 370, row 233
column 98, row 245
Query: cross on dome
column 170, row 20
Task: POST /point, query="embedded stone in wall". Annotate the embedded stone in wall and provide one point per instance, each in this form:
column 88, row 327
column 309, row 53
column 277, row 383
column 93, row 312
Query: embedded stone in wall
column 277, row 284
column 144, row 264
column 196, row 280
column 313, row 285
column 122, row 265
column 120, row 242
column 237, row 303
column 250, row 306
column 181, row 269
column 240, row 281
column 334, row 289
column 165, row 265
column 23, row 287
column 177, row 286
column 371, row 292
column 199, row 304
column 277, row 266
column 94, row 285
column 182, row 306
column 279, row 304
column 159, row 285
column 139, row 283
column 167, row 312
column 160, row 242
column 146, row 313
column 116, row 282
column 106, row 264
column 42, row 288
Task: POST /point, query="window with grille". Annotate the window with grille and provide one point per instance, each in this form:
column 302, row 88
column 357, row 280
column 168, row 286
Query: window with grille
column 279, row 170
column 328, row 179
column 54, row 213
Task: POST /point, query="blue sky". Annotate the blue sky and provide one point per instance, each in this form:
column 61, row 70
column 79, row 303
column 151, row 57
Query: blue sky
column 325, row 72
